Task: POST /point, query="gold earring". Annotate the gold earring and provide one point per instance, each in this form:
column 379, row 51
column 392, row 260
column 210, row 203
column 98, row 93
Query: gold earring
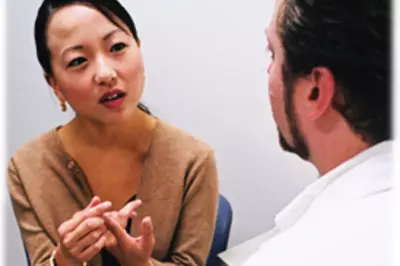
column 63, row 106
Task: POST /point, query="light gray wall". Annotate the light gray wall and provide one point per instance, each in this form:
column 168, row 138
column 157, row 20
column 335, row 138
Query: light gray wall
column 206, row 73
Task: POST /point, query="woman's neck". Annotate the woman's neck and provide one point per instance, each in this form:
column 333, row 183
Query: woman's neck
column 135, row 134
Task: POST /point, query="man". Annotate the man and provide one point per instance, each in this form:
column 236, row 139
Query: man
column 329, row 82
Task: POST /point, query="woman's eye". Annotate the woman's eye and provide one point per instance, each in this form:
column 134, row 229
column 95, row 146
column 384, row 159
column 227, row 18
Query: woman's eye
column 76, row 62
column 118, row 47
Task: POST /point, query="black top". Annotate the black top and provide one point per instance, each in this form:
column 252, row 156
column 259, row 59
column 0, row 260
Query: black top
column 107, row 258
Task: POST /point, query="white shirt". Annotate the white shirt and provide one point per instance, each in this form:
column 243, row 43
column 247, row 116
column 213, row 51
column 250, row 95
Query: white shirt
column 342, row 219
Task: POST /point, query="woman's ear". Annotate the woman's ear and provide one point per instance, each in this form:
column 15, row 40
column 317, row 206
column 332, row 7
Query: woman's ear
column 53, row 84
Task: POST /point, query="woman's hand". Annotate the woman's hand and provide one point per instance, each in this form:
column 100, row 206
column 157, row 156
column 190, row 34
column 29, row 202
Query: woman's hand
column 121, row 216
column 132, row 250
column 83, row 236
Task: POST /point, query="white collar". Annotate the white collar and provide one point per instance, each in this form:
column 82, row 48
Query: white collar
column 292, row 212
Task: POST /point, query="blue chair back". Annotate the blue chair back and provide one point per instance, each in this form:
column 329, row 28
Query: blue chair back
column 28, row 261
column 222, row 231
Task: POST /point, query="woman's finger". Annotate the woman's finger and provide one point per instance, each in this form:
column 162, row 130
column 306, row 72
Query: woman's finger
column 71, row 224
column 99, row 209
column 88, row 240
column 92, row 250
column 111, row 240
column 83, row 229
column 129, row 208
column 147, row 233
column 116, row 229
column 113, row 214
column 95, row 201
column 133, row 215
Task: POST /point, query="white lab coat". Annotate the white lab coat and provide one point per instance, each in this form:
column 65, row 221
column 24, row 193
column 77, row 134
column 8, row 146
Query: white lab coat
column 342, row 219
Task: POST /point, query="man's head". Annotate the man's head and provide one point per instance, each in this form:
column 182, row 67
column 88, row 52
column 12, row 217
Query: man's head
column 329, row 77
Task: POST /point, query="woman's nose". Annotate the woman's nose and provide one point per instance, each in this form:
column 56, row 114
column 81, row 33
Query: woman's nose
column 105, row 74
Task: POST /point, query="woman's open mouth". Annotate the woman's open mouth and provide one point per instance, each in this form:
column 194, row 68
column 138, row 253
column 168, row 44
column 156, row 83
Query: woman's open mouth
column 113, row 99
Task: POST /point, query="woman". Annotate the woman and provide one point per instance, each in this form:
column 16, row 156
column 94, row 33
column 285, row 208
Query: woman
column 76, row 190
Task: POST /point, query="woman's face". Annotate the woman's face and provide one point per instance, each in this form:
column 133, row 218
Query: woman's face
column 97, row 67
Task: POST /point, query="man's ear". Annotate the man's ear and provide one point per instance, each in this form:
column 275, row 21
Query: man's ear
column 323, row 92
column 53, row 84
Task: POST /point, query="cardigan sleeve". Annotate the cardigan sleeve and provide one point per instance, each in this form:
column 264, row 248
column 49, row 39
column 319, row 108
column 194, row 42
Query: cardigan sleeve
column 37, row 243
column 193, row 236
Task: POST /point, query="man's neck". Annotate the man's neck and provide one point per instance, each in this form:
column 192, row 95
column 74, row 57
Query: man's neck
column 333, row 153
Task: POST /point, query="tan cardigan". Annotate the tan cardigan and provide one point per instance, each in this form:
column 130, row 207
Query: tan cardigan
column 179, row 190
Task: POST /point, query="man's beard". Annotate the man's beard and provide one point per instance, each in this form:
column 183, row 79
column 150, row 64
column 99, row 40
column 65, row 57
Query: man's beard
column 299, row 145
column 284, row 144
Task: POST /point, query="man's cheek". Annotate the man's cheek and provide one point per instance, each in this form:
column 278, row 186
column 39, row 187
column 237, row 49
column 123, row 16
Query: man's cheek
column 275, row 108
column 274, row 91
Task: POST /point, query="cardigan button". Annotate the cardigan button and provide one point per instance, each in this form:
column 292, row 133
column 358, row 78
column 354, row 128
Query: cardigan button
column 71, row 164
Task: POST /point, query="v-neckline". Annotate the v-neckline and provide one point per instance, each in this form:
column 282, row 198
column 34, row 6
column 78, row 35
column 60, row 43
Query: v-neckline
column 79, row 175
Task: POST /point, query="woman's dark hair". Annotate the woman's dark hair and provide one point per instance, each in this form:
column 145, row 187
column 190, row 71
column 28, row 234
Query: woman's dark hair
column 352, row 39
column 109, row 8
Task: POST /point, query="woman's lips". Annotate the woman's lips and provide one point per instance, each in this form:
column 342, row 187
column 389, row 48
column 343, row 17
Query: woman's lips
column 113, row 99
